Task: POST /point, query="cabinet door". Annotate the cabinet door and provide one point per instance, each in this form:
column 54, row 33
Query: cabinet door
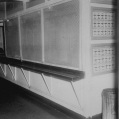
column 61, row 34
column 1, row 38
column 13, row 7
column 12, row 38
column 32, row 3
column 2, row 10
column 31, row 42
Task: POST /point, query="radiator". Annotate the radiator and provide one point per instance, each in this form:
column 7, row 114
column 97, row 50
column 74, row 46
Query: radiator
column 109, row 104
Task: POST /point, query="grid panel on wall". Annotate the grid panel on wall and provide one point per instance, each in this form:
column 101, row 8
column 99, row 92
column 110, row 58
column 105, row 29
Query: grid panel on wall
column 103, row 58
column 103, row 23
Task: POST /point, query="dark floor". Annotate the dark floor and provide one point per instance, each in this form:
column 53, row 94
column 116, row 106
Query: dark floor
column 13, row 105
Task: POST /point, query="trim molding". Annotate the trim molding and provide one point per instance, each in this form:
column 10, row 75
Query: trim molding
column 35, row 98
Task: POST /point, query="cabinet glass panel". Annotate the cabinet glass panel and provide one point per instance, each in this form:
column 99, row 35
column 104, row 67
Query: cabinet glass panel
column 1, row 37
column 1, row 40
column 31, row 42
column 2, row 10
column 32, row 3
column 12, row 38
column 61, row 34
column 13, row 7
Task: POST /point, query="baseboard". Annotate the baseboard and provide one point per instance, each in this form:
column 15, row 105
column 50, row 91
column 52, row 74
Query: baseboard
column 36, row 99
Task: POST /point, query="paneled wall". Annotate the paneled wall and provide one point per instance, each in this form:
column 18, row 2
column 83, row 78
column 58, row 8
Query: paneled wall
column 76, row 35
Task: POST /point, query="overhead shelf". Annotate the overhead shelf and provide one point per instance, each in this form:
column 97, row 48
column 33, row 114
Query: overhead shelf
column 66, row 74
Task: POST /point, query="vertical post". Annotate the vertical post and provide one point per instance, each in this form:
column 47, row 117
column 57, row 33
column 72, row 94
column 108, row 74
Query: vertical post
column 118, row 49
column 19, row 22
column 5, row 10
column 85, row 36
column 42, row 27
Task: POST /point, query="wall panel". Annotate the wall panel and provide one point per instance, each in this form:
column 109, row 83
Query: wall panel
column 63, row 90
column 20, row 78
column 37, row 83
column 9, row 74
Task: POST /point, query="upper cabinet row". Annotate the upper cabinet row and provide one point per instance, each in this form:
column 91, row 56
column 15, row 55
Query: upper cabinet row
column 49, row 34
column 13, row 7
column 50, row 37
column 10, row 8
